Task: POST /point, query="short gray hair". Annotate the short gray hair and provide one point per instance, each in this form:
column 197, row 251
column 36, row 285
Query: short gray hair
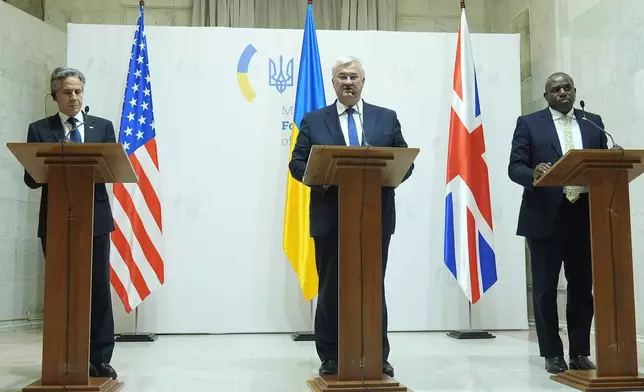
column 347, row 60
column 61, row 73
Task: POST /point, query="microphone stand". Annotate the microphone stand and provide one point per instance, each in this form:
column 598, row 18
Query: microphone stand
column 583, row 117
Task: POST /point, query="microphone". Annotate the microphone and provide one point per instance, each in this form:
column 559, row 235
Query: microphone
column 583, row 117
column 47, row 121
column 364, row 138
column 66, row 138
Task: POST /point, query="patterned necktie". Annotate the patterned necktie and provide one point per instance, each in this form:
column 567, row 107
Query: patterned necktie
column 572, row 192
column 353, row 131
column 74, row 135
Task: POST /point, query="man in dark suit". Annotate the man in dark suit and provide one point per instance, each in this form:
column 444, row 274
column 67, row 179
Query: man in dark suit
column 555, row 221
column 75, row 126
column 342, row 124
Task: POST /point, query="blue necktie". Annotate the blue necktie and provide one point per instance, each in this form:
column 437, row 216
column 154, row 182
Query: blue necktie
column 353, row 131
column 74, row 136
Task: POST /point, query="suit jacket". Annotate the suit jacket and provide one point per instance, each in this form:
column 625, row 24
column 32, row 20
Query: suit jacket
column 50, row 130
column 536, row 141
column 322, row 127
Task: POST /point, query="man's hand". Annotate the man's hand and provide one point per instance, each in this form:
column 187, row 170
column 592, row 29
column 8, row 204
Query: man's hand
column 540, row 170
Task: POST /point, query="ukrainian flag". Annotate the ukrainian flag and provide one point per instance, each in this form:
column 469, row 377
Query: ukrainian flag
column 297, row 243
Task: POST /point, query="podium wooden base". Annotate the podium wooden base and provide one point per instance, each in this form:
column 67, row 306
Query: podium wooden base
column 587, row 380
column 326, row 384
column 97, row 384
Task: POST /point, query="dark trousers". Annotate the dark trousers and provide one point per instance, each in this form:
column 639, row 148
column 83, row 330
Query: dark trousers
column 326, row 313
column 569, row 243
column 101, row 345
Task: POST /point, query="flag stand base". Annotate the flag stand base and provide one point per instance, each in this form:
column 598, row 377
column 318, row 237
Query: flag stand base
column 303, row 337
column 135, row 337
column 470, row 334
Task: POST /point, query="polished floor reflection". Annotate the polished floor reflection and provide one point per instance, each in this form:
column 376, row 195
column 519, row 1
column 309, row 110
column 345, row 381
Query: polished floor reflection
column 423, row 362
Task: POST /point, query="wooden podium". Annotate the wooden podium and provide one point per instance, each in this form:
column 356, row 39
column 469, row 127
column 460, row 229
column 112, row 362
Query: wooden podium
column 70, row 170
column 607, row 174
column 359, row 172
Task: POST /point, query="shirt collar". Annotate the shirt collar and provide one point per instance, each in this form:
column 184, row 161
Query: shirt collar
column 557, row 115
column 342, row 108
column 64, row 117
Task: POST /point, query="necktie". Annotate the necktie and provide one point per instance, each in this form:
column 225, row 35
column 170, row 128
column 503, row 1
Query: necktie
column 572, row 192
column 74, row 135
column 353, row 131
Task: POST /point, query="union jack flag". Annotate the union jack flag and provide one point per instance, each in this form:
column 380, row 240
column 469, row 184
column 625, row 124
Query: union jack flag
column 469, row 247
column 136, row 262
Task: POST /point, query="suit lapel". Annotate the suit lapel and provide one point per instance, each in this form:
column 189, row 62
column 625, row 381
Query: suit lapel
column 56, row 127
column 369, row 123
column 91, row 135
column 333, row 123
column 550, row 130
column 583, row 128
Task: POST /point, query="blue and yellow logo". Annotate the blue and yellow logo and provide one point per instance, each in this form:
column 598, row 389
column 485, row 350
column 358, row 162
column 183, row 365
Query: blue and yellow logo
column 242, row 73
column 280, row 73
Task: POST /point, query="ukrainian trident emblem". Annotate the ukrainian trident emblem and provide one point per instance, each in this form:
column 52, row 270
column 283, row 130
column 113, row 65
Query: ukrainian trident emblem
column 281, row 77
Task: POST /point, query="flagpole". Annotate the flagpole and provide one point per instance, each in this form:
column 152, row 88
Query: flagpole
column 308, row 336
column 470, row 333
column 136, row 336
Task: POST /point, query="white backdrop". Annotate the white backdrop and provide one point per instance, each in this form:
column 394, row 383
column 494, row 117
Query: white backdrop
column 224, row 162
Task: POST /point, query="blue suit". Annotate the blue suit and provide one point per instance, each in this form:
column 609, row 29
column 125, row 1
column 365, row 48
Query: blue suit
column 535, row 141
column 556, row 230
column 322, row 127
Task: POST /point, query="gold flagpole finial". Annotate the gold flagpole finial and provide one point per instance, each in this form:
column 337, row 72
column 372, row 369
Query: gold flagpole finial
column 462, row 4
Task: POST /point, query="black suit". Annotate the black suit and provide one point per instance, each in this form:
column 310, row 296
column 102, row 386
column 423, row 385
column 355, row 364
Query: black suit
column 97, row 130
column 322, row 127
column 556, row 230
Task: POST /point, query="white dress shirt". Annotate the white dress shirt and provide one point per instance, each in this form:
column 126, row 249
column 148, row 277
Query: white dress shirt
column 344, row 120
column 577, row 141
column 558, row 119
column 67, row 127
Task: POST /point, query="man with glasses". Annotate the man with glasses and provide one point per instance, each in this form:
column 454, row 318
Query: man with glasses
column 349, row 121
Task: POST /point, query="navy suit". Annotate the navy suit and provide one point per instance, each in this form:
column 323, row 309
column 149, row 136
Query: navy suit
column 322, row 127
column 556, row 230
column 97, row 130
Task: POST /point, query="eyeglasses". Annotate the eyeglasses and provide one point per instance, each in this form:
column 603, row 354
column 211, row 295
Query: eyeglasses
column 344, row 78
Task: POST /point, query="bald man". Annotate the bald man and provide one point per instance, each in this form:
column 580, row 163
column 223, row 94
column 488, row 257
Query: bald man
column 555, row 221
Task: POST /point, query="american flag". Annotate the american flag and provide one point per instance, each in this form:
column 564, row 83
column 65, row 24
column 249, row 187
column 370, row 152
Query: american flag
column 469, row 246
column 136, row 261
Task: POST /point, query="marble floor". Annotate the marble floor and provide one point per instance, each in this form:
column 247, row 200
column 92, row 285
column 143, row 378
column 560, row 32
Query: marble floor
column 423, row 362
